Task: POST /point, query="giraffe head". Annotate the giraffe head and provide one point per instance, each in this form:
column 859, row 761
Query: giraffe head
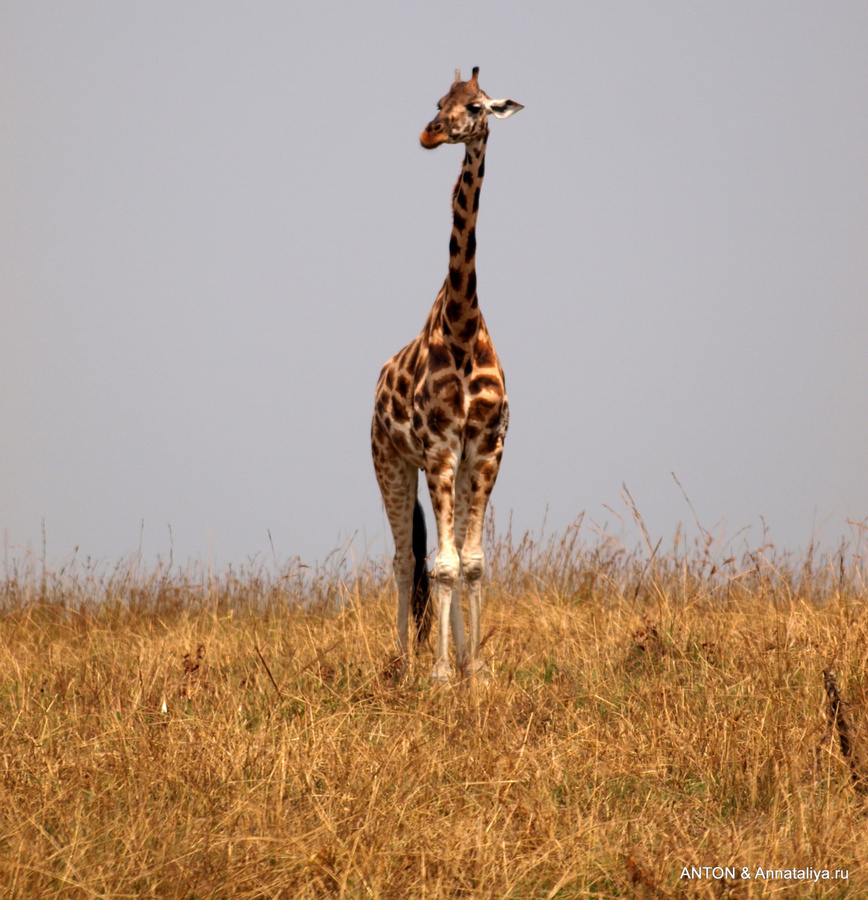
column 463, row 113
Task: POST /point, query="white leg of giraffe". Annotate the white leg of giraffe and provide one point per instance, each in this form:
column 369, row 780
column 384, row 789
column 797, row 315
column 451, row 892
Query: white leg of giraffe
column 480, row 484
column 473, row 565
column 456, row 621
column 441, row 485
column 462, row 510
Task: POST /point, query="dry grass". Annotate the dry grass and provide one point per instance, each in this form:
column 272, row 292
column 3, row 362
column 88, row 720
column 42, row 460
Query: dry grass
column 185, row 737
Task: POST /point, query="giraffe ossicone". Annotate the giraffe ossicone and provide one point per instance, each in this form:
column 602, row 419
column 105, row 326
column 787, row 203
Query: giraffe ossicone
column 441, row 406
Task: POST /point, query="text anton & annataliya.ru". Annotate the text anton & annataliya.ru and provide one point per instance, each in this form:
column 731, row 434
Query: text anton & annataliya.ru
column 744, row 873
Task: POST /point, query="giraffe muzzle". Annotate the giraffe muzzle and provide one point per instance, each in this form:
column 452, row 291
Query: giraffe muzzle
column 433, row 136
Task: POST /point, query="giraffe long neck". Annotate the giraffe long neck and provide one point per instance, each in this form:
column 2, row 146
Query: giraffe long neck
column 461, row 306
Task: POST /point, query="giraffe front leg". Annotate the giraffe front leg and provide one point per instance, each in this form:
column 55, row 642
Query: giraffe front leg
column 441, row 485
column 462, row 511
column 473, row 570
column 445, row 578
column 474, row 498
column 456, row 620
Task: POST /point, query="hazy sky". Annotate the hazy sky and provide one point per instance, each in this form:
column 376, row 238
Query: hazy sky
column 217, row 223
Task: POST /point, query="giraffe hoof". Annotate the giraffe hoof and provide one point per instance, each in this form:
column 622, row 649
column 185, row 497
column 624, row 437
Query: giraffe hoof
column 395, row 671
column 478, row 671
column 480, row 668
column 441, row 673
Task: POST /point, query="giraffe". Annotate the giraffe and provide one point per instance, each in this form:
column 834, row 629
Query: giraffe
column 441, row 406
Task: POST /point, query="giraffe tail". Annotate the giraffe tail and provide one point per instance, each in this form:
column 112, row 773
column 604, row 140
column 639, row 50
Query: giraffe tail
column 421, row 583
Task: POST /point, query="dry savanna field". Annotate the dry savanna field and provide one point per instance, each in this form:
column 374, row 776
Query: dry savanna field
column 655, row 725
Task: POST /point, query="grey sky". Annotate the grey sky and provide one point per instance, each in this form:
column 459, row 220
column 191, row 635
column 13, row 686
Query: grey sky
column 217, row 224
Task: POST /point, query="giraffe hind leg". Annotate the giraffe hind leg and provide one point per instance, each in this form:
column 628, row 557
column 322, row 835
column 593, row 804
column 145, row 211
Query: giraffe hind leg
column 398, row 480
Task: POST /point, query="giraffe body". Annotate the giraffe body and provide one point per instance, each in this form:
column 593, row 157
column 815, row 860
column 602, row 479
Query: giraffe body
column 441, row 406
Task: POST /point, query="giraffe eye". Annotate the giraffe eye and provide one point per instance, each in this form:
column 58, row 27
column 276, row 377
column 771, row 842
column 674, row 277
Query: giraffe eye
column 473, row 108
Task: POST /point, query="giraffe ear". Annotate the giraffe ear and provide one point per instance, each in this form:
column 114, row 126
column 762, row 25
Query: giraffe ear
column 503, row 109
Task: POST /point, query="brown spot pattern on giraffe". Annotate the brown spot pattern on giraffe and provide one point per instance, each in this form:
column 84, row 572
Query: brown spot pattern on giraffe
column 481, row 410
column 399, row 411
column 438, row 420
column 485, row 382
column 471, row 245
column 438, row 356
column 483, row 354
column 470, row 290
column 469, row 329
column 453, row 309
